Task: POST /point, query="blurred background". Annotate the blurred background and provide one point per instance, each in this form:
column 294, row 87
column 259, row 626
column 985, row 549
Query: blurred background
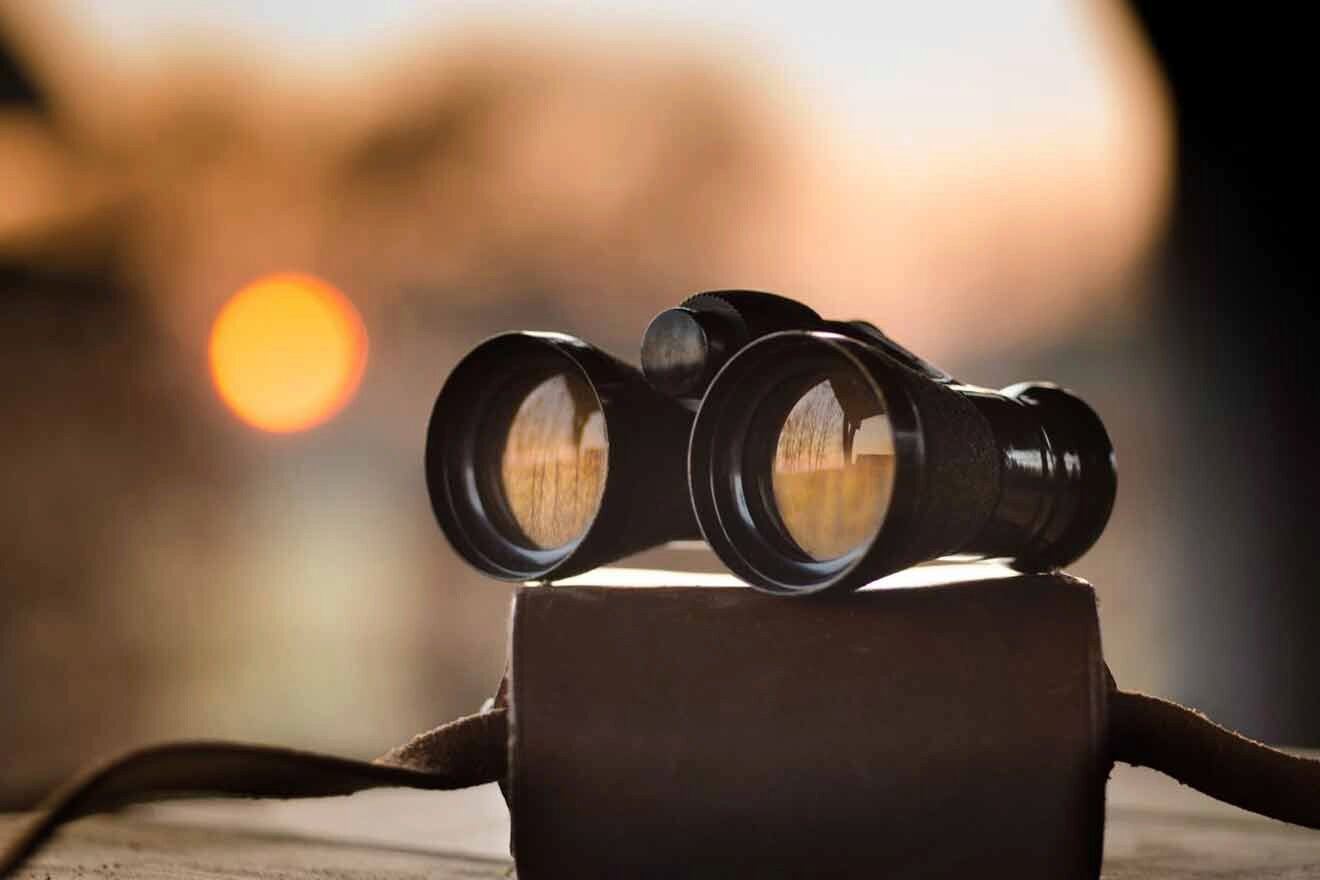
column 1025, row 189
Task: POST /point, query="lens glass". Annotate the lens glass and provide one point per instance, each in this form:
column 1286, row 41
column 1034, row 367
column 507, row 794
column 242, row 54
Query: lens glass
column 833, row 468
column 552, row 466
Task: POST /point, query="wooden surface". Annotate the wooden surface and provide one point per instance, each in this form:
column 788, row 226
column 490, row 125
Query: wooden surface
column 1156, row 829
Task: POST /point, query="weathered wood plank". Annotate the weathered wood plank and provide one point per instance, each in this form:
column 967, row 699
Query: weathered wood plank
column 1156, row 829
column 124, row 848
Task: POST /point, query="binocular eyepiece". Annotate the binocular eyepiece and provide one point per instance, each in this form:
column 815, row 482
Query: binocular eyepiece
column 813, row 455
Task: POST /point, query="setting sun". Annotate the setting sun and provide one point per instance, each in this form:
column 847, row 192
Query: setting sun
column 287, row 352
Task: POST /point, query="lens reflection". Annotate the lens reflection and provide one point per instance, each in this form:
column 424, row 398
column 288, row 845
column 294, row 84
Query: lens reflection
column 552, row 468
column 833, row 469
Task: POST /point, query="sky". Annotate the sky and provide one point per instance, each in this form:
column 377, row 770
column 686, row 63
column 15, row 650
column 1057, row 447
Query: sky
column 939, row 64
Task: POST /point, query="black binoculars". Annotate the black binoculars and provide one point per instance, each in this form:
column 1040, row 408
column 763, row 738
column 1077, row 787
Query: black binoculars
column 812, row 455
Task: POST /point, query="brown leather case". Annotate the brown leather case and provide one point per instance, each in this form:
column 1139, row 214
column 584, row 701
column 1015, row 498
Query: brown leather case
column 950, row 731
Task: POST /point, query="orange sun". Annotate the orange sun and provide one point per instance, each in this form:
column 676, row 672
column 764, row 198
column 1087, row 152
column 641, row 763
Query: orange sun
column 287, row 352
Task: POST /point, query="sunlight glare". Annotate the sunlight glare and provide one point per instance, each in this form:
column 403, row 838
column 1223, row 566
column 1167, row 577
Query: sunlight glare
column 287, row 352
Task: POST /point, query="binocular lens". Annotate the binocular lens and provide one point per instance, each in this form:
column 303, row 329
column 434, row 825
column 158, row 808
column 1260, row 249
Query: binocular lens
column 553, row 460
column 546, row 457
column 833, row 468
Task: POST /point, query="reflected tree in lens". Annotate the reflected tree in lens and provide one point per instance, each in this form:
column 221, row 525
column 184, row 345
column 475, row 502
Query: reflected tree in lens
column 833, row 469
column 552, row 468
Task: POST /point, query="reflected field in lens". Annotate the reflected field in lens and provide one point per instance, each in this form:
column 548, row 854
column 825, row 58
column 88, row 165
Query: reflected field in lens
column 552, row 467
column 833, row 468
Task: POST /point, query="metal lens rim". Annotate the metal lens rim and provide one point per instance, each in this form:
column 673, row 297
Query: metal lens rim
column 463, row 469
column 732, row 448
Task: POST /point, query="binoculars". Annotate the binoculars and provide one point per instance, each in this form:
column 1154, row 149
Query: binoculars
column 812, row 455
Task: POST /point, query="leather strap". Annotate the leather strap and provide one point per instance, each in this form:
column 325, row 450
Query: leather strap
column 469, row 751
column 1149, row 732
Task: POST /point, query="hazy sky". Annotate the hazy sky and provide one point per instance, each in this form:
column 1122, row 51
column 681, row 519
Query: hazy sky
column 935, row 64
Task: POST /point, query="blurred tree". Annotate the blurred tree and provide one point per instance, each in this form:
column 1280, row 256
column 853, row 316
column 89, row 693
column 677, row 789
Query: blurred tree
column 16, row 88
column 91, row 435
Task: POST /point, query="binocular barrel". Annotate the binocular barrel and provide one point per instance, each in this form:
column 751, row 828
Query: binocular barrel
column 822, row 455
column 547, row 457
column 819, row 462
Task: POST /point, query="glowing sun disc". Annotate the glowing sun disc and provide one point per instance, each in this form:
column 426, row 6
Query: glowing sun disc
column 287, row 352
